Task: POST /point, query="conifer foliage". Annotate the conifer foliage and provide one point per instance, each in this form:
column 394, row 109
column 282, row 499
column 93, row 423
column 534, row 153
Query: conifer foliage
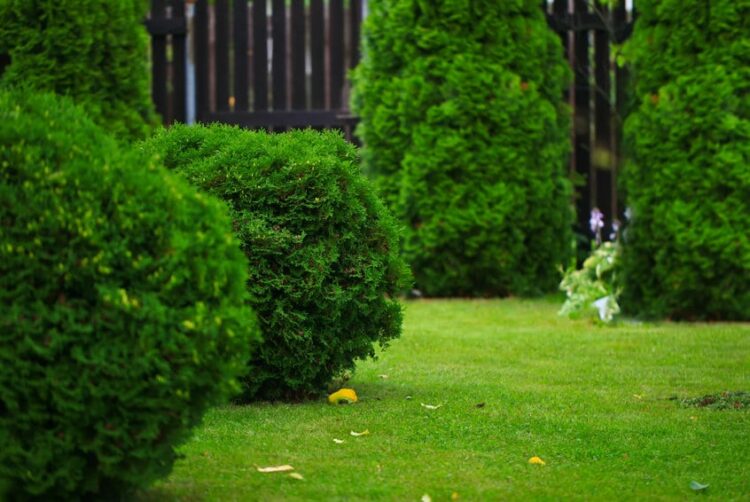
column 325, row 270
column 466, row 134
column 95, row 51
column 123, row 312
column 687, row 249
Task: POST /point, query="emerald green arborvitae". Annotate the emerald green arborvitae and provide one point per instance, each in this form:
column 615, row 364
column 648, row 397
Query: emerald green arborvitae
column 687, row 248
column 123, row 312
column 95, row 51
column 466, row 133
column 324, row 263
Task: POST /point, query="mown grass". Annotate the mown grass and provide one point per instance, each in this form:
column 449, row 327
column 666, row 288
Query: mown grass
column 595, row 403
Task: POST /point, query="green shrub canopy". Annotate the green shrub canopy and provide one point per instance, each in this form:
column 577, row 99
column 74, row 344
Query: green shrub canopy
column 687, row 251
column 95, row 51
column 123, row 310
column 323, row 251
column 466, row 135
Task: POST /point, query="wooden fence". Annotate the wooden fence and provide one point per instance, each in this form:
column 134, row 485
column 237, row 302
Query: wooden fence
column 280, row 64
column 275, row 64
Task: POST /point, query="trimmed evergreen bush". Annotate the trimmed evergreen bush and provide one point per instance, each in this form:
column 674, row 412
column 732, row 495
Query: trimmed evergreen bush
column 466, row 135
column 687, row 249
column 323, row 251
column 95, row 51
column 123, row 310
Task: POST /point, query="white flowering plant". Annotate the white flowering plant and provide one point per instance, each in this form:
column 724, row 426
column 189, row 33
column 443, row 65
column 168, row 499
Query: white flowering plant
column 593, row 290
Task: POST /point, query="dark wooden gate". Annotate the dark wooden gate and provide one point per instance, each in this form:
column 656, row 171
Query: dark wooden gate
column 591, row 34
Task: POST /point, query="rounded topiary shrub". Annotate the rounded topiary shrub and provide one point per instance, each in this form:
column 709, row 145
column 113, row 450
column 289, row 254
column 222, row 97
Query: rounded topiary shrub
column 95, row 51
column 466, row 135
column 687, row 250
column 323, row 251
column 123, row 311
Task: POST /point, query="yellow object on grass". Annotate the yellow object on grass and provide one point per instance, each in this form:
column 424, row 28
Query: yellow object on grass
column 343, row 396
column 536, row 460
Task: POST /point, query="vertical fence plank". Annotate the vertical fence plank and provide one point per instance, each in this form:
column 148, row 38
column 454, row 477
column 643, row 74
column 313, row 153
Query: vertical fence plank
column 336, row 41
column 260, row 56
column 299, row 77
column 559, row 13
column 582, row 119
column 355, row 20
column 179, row 66
column 602, row 196
column 159, row 61
column 619, row 22
column 317, row 54
column 278, row 29
column 241, row 86
column 221, row 54
column 200, row 21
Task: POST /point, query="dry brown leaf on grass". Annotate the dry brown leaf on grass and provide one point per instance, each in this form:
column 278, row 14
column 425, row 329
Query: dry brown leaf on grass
column 276, row 468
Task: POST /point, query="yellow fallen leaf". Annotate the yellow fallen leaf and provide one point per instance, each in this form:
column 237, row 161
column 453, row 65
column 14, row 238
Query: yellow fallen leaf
column 536, row 461
column 338, row 441
column 431, row 406
column 343, row 396
column 426, row 498
column 357, row 434
column 276, row 468
column 455, row 496
column 296, row 475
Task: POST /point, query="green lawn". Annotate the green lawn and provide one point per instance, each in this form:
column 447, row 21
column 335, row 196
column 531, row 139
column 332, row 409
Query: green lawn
column 593, row 402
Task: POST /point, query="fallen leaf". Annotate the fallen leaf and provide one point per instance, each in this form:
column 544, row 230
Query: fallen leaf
column 343, row 396
column 431, row 406
column 408, row 398
column 426, row 498
column 537, row 461
column 338, row 441
column 383, row 376
column 276, row 468
column 638, row 396
column 357, row 434
column 455, row 496
column 697, row 487
column 296, row 475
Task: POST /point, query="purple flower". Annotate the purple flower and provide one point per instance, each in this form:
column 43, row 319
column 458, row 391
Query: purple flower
column 596, row 222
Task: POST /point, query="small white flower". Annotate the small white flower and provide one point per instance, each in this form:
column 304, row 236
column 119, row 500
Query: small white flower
column 607, row 307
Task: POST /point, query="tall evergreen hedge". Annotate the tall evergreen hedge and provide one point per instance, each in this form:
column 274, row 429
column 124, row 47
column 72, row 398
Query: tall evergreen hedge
column 466, row 134
column 123, row 311
column 95, row 51
column 687, row 251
